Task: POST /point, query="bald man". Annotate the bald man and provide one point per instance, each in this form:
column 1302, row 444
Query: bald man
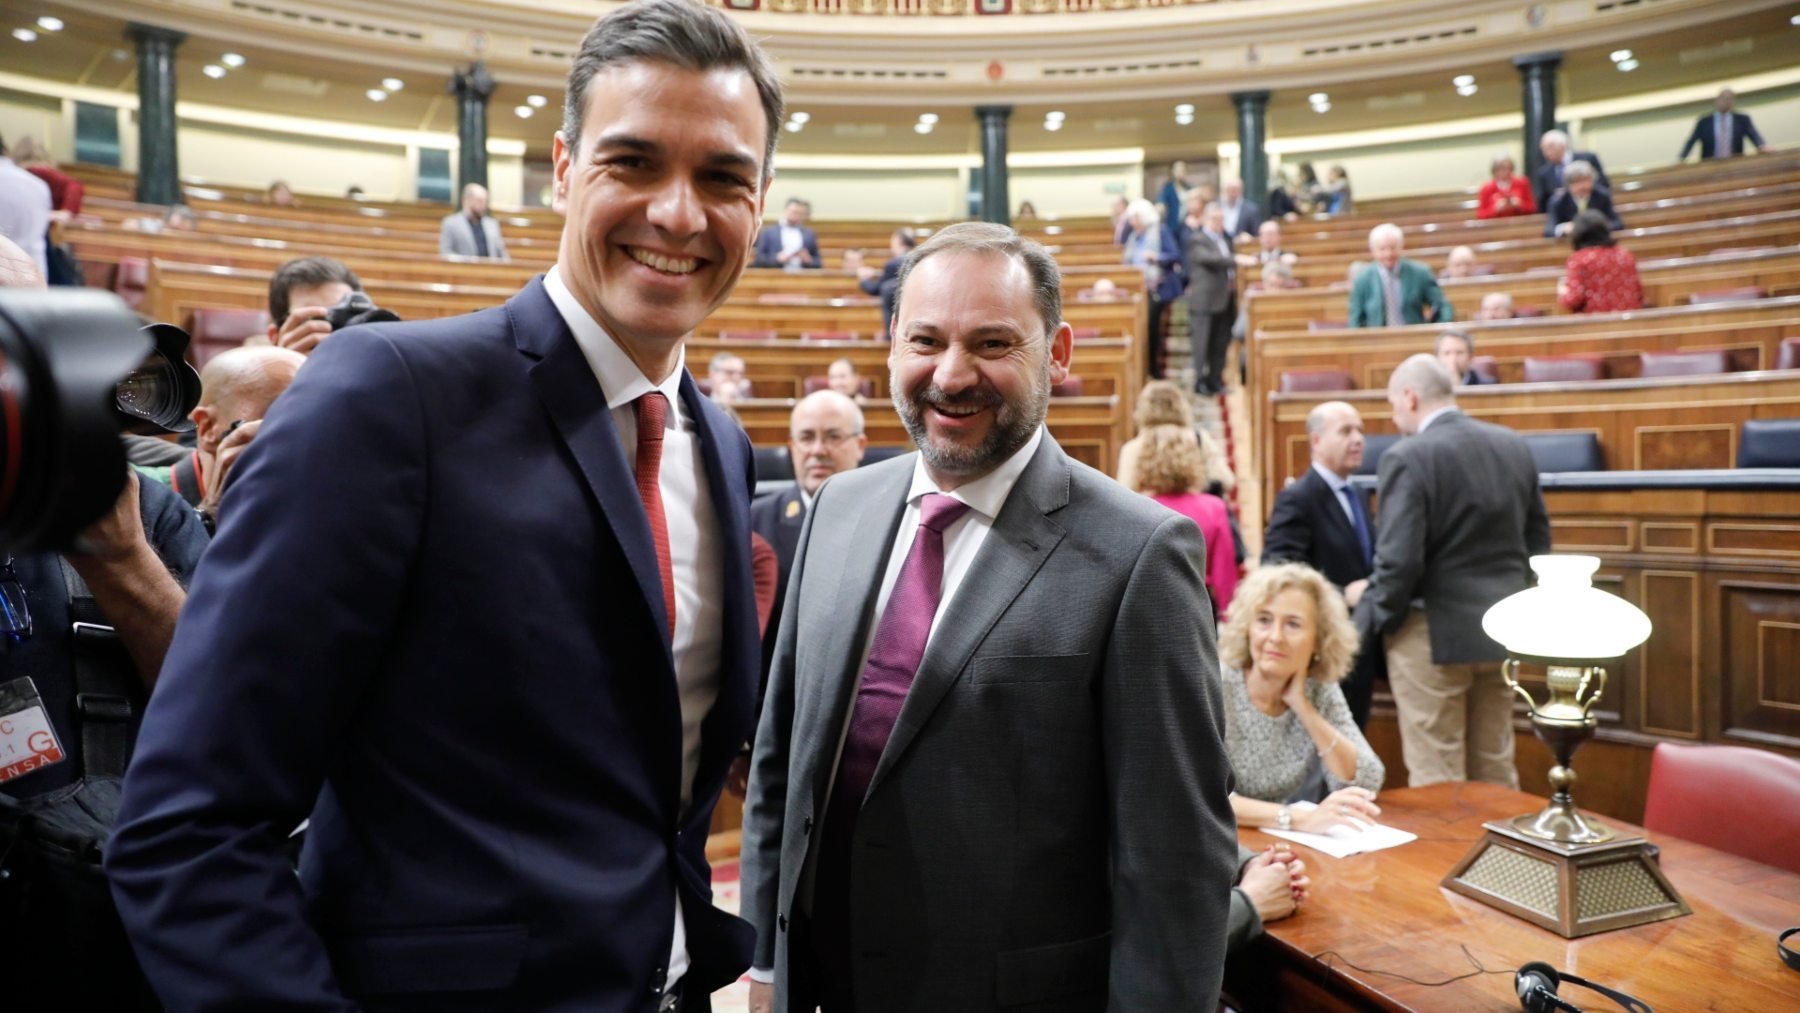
column 472, row 232
column 237, row 386
column 1461, row 516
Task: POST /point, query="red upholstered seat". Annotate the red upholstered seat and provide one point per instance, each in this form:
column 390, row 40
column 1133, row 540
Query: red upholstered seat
column 1728, row 295
column 1485, row 367
column 813, row 384
column 830, row 336
column 1563, row 368
column 784, row 298
column 1789, row 356
column 130, row 280
column 1736, row 799
column 1070, row 387
column 747, row 335
column 213, row 330
column 1300, row 380
column 1699, row 362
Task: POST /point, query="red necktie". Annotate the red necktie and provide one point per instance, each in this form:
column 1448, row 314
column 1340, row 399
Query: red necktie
column 652, row 409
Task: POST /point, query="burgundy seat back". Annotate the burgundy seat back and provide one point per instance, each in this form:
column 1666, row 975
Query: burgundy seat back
column 814, row 384
column 213, row 330
column 1699, row 362
column 1485, row 367
column 1070, row 387
column 1739, row 800
column 1728, row 295
column 1563, row 368
column 1299, row 380
column 1789, row 356
column 130, row 280
column 747, row 335
column 829, row 336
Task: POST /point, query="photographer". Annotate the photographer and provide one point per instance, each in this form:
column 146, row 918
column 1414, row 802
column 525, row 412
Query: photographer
column 313, row 296
column 237, row 386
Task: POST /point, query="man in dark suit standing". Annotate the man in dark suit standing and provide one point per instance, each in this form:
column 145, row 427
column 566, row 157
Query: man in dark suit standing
column 1322, row 520
column 933, row 752
column 1461, row 516
column 1548, row 179
column 1242, row 217
column 1211, row 299
column 789, row 244
column 881, row 281
column 1722, row 133
column 503, row 654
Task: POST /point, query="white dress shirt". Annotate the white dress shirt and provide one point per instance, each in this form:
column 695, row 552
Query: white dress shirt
column 1338, row 485
column 694, row 538
column 962, row 542
column 25, row 212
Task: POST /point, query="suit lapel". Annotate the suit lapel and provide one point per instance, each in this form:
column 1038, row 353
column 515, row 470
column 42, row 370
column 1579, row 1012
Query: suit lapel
column 570, row 392
column 1022, row 537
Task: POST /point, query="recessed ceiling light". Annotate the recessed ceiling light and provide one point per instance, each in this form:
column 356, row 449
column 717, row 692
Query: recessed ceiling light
column 1053, row 125
column 1321, row 107
column 376, row 95
column 523, row 112
column 1621, row 55
column 1463, row 80
column 1466, row 90
column 921, row 127
column 1795, row 20
column 213, row 71
column 392, row 83
column 50, row 24
column 1628, row 65
column 24, row 35
column 928, row 118
column 800, row 117
column 793, row 127
column 232, row 60
column 1317, row 97
column 536, row 101
column 1056, row 114
column 1185, row 109
column 1184, row 119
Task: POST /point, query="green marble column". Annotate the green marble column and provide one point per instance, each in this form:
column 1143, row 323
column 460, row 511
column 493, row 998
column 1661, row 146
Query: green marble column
column 159, row 170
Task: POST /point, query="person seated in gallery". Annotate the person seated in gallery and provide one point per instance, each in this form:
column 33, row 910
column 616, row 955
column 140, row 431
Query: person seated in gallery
column 1505, row 194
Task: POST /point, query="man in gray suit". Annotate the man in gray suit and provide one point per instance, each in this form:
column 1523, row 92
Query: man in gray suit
column 472, row 232
column 1019, row 799
column 1461, row 516
column 1211, row 298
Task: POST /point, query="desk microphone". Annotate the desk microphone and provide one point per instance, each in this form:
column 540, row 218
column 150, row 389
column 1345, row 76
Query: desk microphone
column 1536, row 985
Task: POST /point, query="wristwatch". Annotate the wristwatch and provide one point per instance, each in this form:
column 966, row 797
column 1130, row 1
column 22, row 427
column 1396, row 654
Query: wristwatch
column 1284, row 819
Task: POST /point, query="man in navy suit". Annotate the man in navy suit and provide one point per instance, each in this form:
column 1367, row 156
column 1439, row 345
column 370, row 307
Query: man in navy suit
column 503, row 653
column 1548, row 179
column 789, row 244
column 1322, row 520
column 1722, row 133
column 1580, row 194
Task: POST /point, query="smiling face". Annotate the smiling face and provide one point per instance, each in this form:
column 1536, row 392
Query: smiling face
column 662, row 201
column 1284, row 633
column 1386, row 248
column 970, row 368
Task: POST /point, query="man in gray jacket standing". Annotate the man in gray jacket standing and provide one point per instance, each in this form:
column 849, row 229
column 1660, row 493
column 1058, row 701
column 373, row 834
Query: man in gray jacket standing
column 1019, row 799
column 1461, row 516
column 472, row 232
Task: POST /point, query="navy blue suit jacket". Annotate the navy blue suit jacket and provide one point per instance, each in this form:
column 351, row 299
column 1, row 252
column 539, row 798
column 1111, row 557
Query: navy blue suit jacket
column 433, row 622
column 1562, row 208
column 768, row 247
column 1743, row 133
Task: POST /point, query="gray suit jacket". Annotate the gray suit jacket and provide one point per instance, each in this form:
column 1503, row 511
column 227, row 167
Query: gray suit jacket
column 1461, row 516
column 1049, row 824
column 456, row 237
column 1212, row 274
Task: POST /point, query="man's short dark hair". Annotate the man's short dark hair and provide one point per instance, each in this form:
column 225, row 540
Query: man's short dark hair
column 988, row 238
column 683, row 33
column 1460, row 335
column 908, row 238
column 305, row 271
column 1590, row 229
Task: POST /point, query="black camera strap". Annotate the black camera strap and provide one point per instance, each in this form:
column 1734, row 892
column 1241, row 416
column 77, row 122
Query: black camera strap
column 103, row 692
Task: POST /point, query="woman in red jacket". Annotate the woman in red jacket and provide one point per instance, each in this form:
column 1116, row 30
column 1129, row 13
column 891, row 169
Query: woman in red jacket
column 1600, row 277
column 1506, row 194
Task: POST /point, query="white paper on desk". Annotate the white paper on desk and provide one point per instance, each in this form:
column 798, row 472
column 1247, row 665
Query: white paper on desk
column 1341, row 841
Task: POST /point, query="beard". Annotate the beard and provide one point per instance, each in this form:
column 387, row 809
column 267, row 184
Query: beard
column 1011, row 429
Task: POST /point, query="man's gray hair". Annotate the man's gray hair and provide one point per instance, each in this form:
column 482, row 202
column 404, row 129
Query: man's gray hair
column 1460, row 335
column 991, row 239
column 1386, row 229
column 1554, row 137
column 1425, row 376
column 722, row 358
column 1504, row 156
column 1578, row 169
column 681, row 33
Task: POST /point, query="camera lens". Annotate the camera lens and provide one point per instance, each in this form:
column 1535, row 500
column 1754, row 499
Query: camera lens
column 152, row 393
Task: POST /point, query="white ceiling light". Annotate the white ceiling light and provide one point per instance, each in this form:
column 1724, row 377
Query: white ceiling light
column 1184, row 121
column 793, row 127
column 1795, row 20
column 376, row 95
column 1321, row 107
column 213, row 71
column 1053, row 125
column 1317, row 97
column 928, row 118
column 1463, row 80
column 50, row 24
column 1628, row 65
column 1621, row 55
column 1055, row 114
column 392, row 83
column 523, row 112
column 921, row 127
column 800, row 117
column 536, row 101
column 1185, row 109
column 24, row 35
column 232, row 60
column 1466, row 90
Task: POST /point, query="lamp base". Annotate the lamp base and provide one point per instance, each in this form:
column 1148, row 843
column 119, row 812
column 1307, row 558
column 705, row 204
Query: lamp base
column 1571, row 889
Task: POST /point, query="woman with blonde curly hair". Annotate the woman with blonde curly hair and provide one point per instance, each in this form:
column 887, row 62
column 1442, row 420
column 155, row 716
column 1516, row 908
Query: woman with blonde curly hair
column 1287, row 643
column 1169, row 472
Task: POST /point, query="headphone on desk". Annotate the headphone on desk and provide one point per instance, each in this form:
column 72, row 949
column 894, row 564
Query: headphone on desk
column 1536, row 985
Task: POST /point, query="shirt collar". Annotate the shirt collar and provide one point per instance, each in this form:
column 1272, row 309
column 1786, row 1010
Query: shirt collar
column 1331, row 477
column 620, row 379
column 987, row 494
column 1425, row 422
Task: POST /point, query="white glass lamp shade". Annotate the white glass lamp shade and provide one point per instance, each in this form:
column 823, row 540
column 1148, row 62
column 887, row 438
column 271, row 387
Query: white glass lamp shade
column 1565, row 617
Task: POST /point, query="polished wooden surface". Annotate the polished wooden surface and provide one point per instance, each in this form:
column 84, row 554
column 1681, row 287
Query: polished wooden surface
column 1385, row 913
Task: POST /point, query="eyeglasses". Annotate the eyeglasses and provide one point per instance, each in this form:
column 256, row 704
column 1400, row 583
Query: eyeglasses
column 15, row 617
column 830, row 439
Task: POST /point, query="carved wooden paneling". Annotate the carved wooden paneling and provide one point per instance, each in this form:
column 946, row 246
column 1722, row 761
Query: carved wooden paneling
column 1567, row 535
column 1686, row 446
column 1760, row 661
column 1752, row 539
column 1671, row 536
column 1670, row 659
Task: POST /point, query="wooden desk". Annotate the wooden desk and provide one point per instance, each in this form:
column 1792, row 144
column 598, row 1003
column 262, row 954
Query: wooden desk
column 1385, row 912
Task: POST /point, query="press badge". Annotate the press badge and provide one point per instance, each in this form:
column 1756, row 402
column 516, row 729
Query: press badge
column 27, row 742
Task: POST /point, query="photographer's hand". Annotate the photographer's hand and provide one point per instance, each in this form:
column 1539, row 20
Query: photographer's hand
column 304, row 328
column 130, row 582
column 230, row 449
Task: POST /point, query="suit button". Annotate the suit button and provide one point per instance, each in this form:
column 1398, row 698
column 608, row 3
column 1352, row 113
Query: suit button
column 781, row 922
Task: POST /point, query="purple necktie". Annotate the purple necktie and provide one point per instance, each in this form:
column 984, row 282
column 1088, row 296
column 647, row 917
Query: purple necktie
column 898, row 648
